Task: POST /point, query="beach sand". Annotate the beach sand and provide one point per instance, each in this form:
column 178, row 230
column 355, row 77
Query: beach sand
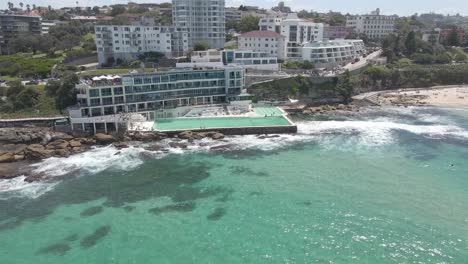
column 447, row 97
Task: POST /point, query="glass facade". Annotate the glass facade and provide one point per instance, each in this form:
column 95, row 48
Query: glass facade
column 143, row 92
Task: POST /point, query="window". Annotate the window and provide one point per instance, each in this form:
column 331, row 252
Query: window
column 94, row 93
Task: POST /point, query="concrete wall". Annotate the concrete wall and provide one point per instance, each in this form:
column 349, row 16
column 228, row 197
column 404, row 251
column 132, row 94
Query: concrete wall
column 242, row 130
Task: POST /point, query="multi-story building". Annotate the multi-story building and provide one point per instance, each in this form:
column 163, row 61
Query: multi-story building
column 102, row 101
column 271, row 23
column 298, row 32
column 375, row 26
column 46, row 25
column 233, row 14
column 268, row 42
column 333, row 53
column 117, row 42
column 446, row 34
column 295, row 31
column 12, row 25
column 245, row 58
column 336, row 32
column 203, row 19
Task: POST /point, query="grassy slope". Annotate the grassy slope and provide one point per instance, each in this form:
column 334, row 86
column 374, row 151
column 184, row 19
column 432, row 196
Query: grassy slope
column 44, row 108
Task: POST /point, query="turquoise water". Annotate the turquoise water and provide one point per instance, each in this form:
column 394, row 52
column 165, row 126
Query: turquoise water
column 383, row 186
column 219, row 122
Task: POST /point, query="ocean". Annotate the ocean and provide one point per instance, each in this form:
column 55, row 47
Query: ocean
column 385, row 185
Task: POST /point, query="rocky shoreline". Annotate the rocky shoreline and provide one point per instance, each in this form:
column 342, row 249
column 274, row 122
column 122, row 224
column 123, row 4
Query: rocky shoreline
column 21, row 147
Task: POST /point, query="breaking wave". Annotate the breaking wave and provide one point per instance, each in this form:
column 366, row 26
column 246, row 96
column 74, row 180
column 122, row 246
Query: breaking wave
column 380, row 131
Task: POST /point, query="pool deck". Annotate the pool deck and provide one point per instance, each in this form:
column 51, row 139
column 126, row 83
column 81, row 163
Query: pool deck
column 268, row 120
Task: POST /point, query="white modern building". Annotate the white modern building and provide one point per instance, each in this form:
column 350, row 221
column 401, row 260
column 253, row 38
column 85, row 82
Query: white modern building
column 295, row 31
column 268, row 42
column 271, row 22
column 117, row 42
column 105, row 101
column 375, row 26
column 298, row 32
column 333, row 53
column 203, row 19
column 246, row 58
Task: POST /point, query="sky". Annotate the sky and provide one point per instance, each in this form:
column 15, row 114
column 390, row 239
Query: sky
column 387, row 7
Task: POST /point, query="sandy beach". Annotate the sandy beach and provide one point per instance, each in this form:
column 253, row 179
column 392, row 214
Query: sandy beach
column 443, row 96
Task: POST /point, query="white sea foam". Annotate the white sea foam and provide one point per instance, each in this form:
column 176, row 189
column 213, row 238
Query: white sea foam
column 93, row 161
column 18, row 188
column 353, row 134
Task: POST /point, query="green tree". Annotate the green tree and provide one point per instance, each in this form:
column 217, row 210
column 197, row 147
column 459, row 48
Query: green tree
column 201, row 45
column 442, row 58
column 20, row 97
column 117, row 10
column 248, row 23
column 460, row 57
column 453, row 39
column 63, row 91
column 344, row 87
column 410, row 43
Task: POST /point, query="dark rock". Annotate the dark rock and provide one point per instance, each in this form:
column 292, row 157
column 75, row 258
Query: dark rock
column 221, row 147
column 34, row 177
column 58, row 249
column 36, row 151
column 186, row 135
column 61, row 136
column 92, row 211
column 95, row 237
column 217, row 136
column 217, row 214
column 146, row 137
column 104, row 139
column 121, row 145
column 75, row 143
column 58, row 144
column 155, row 148
column 178, row 145
column 13, row 148
column 7, row 157
column 62, row 153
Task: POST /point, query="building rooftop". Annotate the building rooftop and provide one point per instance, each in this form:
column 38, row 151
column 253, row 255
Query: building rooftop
column 261, row 34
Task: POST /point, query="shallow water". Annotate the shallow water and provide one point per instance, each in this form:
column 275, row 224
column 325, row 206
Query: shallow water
column 382, row 186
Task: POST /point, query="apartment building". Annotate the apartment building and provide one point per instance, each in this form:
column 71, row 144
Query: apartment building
column 46, row 25
column 375, row 26
column 104, row 100
column 336, row 32
column 233, row 14
column 203, row 19
column 333, row 53
column 271, row 22
column 12, row 25
column 246, row 58
column 298, row 32
column 126, row 42
column 263, row 41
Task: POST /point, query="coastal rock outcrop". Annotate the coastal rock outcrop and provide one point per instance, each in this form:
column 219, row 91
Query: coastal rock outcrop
column 104, row 139
column 37, row 151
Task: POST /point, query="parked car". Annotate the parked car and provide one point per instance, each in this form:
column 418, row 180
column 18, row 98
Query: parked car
column 32, row 82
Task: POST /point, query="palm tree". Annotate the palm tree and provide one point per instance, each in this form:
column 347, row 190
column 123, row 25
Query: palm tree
column 28, row 7
column 21, row 5
column 10, row 5
column 34, row 7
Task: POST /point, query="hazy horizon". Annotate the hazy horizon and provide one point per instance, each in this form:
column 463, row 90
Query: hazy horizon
column 399, row 7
